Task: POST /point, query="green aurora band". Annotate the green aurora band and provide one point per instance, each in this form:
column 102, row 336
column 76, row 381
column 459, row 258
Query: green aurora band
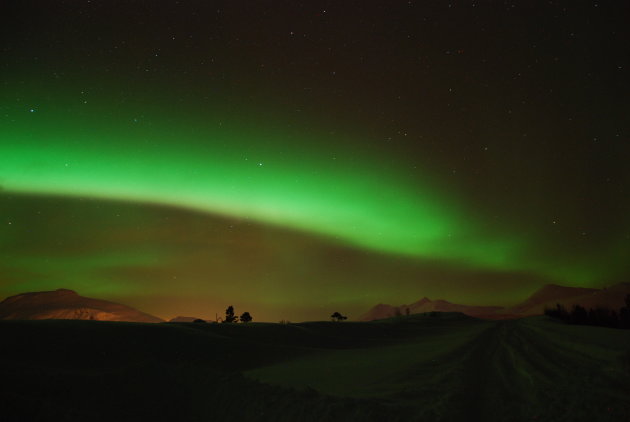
column 244, row 170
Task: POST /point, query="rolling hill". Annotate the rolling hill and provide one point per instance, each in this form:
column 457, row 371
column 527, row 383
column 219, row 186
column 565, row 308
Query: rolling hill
column 183, row 319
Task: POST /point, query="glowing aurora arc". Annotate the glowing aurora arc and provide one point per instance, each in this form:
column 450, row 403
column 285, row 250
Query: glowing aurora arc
column 352, row 196
column 249, row 175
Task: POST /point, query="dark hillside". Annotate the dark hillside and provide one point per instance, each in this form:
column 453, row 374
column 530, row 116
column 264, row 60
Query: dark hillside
column 431, row 367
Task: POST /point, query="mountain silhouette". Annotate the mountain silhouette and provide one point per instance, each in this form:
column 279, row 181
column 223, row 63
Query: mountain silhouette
column 425, row 304
column 546, row 297
column 67, row 304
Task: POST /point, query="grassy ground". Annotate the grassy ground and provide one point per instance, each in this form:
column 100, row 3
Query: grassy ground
column 425, row 368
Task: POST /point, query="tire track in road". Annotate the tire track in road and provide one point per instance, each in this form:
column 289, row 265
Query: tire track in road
column 486, row 387
column 510, row 372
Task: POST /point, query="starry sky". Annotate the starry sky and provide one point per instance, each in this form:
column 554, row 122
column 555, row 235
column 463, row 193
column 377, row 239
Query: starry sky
column 296, row 158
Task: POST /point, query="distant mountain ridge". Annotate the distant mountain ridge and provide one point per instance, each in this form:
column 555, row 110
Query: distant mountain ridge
column 425, row 304
column 547, row 296
column 67, row 304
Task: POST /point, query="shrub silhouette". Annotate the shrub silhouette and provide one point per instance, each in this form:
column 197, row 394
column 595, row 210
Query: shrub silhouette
column 198, row 320
column 246, row 317
column 229, row 315
column 338, row 317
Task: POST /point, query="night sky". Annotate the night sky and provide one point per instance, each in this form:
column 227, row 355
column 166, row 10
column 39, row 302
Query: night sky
column 297, row 158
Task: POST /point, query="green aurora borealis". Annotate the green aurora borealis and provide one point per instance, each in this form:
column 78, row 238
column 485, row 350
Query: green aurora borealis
column 129, row 184
column 345, row 195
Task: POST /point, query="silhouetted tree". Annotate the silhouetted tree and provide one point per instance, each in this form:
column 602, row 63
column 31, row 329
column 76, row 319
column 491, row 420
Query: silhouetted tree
column 229, row 315
column 407, row 312
column 624, row 314
column 562, row 312
column 578, row 315
column 603, row 317
column 246, row 317
column 338, row 317
column 599, row 316
column 558, row 312
column 614, row 320
column 199, row 320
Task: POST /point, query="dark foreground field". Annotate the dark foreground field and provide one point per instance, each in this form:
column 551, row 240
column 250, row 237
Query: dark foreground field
column 426, row 368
